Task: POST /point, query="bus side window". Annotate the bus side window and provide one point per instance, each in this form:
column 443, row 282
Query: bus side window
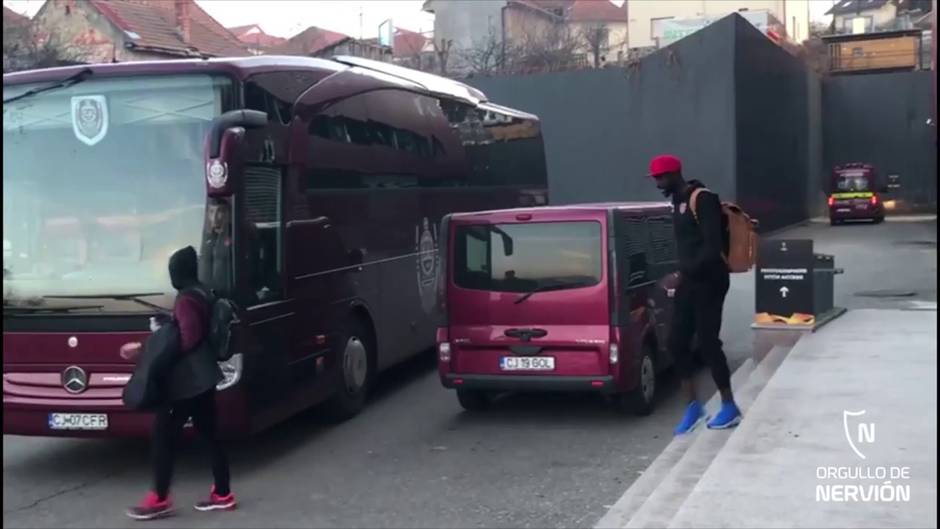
column 263, row 236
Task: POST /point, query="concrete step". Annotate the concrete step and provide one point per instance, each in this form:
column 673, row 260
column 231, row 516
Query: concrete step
column 666, row 499
column 621, row 512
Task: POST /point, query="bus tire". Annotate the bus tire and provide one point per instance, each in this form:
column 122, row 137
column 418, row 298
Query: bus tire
column 641, row 400
column 356, row 365
column 473, row 400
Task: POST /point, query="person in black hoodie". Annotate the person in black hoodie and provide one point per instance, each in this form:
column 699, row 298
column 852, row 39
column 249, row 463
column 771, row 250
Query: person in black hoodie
column 702, row 244
column 190, row 395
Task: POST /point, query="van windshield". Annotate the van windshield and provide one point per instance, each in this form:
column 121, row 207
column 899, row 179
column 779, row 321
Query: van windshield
column 525, row 257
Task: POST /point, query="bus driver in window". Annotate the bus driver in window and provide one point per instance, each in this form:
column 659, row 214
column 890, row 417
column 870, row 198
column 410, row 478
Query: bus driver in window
column 215, row 259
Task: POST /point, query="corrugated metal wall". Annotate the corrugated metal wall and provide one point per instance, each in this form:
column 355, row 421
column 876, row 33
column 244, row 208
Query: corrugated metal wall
column 602, row 126
column 748, row 119
column 882, row 119
column 773, row 130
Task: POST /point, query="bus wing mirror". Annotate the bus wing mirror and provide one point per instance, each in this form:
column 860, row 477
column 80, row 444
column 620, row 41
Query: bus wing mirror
column 247, row 119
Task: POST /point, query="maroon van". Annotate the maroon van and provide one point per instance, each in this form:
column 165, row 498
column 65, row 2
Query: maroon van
column 855, row 194
column 572, row 298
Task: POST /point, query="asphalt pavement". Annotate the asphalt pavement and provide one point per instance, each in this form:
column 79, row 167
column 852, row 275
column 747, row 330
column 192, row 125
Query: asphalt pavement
column 415, row 459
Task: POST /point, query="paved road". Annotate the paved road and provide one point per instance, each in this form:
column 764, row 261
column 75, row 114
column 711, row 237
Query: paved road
column 414, row 459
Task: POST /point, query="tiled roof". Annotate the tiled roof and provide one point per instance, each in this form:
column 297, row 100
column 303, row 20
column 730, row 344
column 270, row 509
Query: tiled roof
column 596, row 11
column 151, row 24
column 408, row 42
column 12, row 18
column 310, row 41
column 256, row 36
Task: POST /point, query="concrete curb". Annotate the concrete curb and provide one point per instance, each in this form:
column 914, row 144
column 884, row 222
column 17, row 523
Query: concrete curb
column 638, row 492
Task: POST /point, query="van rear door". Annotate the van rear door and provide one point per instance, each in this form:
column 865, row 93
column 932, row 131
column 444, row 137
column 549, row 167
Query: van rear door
column 529, row 297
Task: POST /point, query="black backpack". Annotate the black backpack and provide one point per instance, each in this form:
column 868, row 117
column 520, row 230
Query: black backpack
column 222, row 318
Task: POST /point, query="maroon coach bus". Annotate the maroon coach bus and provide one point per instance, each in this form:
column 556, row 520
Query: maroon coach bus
column 311, row 188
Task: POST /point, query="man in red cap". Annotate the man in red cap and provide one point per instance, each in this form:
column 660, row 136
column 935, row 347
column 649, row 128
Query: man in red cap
column 701, row 240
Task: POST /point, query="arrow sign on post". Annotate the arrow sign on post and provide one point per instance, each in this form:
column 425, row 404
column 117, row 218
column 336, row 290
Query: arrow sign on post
column 783, row 291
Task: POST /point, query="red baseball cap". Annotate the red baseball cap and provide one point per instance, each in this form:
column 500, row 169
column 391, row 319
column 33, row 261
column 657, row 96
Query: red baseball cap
column 664, row 163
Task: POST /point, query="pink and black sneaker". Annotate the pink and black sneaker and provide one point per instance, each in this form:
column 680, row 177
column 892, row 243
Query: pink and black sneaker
column 217, row 503
column 151, row 508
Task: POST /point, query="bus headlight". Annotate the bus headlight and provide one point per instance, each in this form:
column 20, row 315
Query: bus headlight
column 231, row 371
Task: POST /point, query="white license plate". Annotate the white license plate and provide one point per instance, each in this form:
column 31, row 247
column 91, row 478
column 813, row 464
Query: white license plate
column 527, row 363
column 843, row 210
column 78, row 421
column 861, row 206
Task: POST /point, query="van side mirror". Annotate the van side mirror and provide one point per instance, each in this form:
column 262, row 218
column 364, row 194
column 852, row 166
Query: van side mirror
column 507, row 244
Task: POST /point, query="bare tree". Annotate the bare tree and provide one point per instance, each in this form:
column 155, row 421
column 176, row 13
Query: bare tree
column 596, row 37
column 552, row 50
column 443, row 53
column 490, row 55
column 25, row 49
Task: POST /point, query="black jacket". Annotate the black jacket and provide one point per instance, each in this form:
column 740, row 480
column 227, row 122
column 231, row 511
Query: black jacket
column 701, row 242
column 147, row 388
column 196, row 371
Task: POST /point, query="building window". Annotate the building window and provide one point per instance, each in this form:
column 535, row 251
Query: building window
column 856, row 25
column 657, row 30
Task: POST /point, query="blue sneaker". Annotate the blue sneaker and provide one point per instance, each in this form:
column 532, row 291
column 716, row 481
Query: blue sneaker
column 694, row 414
column 728, row 416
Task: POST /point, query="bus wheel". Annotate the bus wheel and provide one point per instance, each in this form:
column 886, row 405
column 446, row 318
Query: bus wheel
column 473, row 400
column 640, row 400
column 355, row 373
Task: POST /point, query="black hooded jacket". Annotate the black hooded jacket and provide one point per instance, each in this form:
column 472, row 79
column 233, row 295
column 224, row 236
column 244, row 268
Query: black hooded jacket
column 700, row 242
column 196, row 370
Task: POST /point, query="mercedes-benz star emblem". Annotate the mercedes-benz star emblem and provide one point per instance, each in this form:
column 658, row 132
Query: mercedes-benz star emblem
column 74, row 379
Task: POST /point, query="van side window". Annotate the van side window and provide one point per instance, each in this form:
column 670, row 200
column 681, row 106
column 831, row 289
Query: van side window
column 662, row 239
column 634, row 251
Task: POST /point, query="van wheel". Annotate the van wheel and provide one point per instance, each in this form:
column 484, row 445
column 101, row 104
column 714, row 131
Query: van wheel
column 473, row 400
column 640, row 400
column 356, row 371
column 879, row 220
column 834, row 222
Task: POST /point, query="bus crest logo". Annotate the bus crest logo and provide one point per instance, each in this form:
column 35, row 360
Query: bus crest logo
column 428, row 263
column 90, row 118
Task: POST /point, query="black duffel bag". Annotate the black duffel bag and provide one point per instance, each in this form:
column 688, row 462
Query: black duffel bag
column 146, row 390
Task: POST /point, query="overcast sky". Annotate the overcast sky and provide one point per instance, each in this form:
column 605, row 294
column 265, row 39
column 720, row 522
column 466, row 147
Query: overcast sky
column 285, row 18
